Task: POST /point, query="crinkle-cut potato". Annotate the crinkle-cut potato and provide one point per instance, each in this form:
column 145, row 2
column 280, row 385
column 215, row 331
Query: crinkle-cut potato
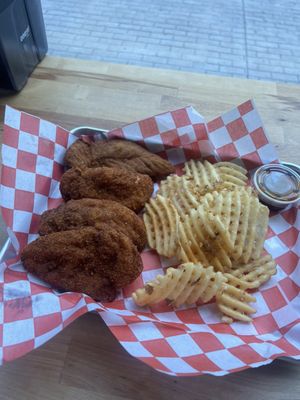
column 233, row 303
column 189, row 248
column 226, row 205
column 161, row 222
column 231, row 165
column 261, row 229
column 196, row 246
column 181, row 192
column 235, row 214
column 229, row 173
column 208, row 229
column 220, row 212
column 243, row 225
column 183, row 285
column 216, row 222
column 236, row 282
column 250, row 235
column 203, row 174
column 222, row 227
column 220, row 259
column 252, row 227
column 224, row 212
column 197, row 254
column 213, row 226
column 209, row 226
column 207, row 176
column 255, row 273
column 229, row 178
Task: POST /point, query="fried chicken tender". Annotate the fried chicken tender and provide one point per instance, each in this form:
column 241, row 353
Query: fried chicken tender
column 77, row 214
column 118, row 153
column 128, row 188
column 79, row 155
column 96, row 262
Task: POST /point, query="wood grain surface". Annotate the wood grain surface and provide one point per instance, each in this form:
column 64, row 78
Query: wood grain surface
column 85, row 361
column 77, row 92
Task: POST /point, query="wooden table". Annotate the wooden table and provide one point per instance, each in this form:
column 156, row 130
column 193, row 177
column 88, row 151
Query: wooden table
column 85, row 361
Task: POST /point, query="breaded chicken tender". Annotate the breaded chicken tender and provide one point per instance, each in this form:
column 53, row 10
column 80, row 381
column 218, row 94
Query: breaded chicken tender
column 131, row 189
column 77, row 214
column 78, row 155
column 96, row 262
column 118, row 153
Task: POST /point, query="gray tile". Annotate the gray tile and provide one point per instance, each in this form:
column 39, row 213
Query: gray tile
column 244, row 38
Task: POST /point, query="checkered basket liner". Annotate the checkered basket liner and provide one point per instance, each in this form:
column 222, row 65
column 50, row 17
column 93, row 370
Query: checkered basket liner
column 190, row 340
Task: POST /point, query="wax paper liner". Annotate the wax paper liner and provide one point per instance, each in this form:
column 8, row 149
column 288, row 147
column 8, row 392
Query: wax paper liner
column 190, row 340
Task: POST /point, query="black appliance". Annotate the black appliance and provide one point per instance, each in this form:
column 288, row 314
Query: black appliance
column 23, row 42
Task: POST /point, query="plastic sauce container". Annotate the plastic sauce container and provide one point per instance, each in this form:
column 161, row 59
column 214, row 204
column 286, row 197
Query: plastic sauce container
column 278, row 185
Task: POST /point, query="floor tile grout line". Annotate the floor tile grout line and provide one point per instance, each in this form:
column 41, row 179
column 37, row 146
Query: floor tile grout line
column 245, row 37
column 249, row 39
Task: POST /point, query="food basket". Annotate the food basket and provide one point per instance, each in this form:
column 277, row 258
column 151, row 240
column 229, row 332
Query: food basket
column 186, row 341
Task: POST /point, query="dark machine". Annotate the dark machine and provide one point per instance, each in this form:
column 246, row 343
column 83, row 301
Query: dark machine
column 23, row 42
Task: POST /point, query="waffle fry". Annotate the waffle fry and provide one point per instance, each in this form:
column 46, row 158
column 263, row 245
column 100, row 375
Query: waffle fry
column 232, row 173
column 207, row 176
column 236, row 282
column 226, row 196
column 234, row 214
column 261, row 230
column 221, row 209
column 204, row 287
column 183, row 285
column 251, row 229
column 189, row 248
column 233, row 166
column 216, row 227
column 203, row 174
column 255, row 273
column 220, row 259
column 182, row 192
column 198, row 238
column 208, row 226
column 253, row 220
column 233, row 303
column 161, row 222
column 243, row 224
column 218, row 219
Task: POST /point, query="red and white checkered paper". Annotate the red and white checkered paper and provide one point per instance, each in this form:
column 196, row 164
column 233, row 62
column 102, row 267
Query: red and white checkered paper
column 190, row 340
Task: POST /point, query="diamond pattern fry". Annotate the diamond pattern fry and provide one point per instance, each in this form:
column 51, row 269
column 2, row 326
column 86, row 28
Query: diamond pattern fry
column 216, row 228
column 186, row 284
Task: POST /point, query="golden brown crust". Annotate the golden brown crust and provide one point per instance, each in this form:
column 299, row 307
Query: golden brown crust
column 118, row 153
column 93, row 261
column 76, row 214
column 128, row 188
column 78, row 155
